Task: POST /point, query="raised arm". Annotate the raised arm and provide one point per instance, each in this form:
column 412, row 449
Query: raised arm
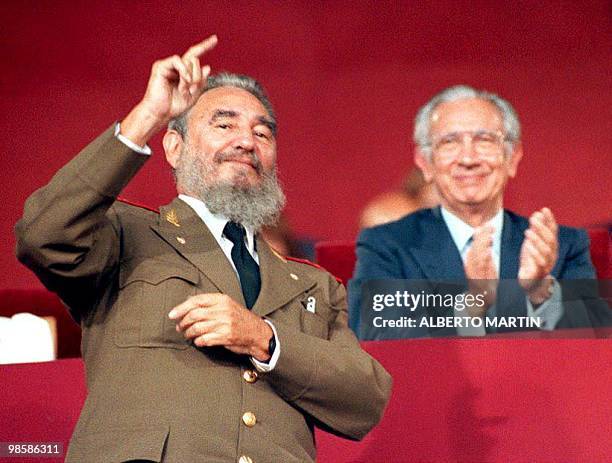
column 68, row 235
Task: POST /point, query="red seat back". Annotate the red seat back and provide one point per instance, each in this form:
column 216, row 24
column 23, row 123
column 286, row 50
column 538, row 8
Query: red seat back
column 601, row 251
column 337, row 257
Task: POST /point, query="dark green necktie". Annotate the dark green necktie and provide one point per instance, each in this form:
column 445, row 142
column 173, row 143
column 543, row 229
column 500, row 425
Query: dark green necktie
column 247, row 268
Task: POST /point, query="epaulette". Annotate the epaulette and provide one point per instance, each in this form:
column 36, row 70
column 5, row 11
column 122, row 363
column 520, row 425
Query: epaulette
column 140, row 205
column 312, row 264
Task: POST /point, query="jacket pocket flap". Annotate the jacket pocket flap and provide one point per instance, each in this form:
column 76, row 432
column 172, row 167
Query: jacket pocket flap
column 314, row 324
column 154, row 271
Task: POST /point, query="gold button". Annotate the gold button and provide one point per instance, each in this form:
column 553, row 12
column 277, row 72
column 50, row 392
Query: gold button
column 249, row 419
column 180, row 239
column 294, row 276
column 245, row 459
column 250, row 376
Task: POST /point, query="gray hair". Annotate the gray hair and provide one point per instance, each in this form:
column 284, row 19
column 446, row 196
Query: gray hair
column 227, row 79
column 422, row 121
column 253, row 206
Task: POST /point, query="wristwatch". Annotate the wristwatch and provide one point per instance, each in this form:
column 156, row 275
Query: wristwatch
column 272, row 345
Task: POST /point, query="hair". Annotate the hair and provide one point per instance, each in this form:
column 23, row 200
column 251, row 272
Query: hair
column 227, row 79
column 422, row 121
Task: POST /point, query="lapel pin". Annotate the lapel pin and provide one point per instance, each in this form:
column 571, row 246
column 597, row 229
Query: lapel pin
column 180, row 239
column 311, row 304
column 173, row 218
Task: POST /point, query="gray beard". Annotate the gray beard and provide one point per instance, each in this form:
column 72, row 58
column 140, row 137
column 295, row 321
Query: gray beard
column 252, row 206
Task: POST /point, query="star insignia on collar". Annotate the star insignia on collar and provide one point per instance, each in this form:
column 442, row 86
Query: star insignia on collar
column 173, row 218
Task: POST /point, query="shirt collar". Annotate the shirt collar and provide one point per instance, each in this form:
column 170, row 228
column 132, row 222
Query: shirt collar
column 461, row 232
column 215, row 222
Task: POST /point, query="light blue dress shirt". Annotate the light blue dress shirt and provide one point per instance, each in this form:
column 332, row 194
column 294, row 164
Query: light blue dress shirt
column 550, row 312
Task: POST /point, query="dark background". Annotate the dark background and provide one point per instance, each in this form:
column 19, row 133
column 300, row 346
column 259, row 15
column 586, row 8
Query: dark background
column 346, row 79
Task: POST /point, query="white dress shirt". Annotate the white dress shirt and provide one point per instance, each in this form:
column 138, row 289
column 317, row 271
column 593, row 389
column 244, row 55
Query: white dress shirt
column 216, row 225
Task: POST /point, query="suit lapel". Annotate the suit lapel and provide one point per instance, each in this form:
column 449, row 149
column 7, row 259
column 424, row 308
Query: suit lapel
column 184, row 230
column 278, row 287
column 436, row 252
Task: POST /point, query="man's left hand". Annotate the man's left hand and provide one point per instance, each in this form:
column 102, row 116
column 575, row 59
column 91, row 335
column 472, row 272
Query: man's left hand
column 538, row 255
column 214, row 319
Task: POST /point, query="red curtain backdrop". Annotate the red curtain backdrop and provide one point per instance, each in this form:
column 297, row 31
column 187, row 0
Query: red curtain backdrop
column 346, row 79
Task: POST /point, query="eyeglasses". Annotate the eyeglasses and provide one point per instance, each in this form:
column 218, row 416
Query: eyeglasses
column 485, row 143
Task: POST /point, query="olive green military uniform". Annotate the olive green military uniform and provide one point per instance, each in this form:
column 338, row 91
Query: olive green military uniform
column 152, row 394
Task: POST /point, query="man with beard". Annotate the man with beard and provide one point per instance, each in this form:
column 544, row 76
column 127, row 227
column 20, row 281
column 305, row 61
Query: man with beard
column 200, row 342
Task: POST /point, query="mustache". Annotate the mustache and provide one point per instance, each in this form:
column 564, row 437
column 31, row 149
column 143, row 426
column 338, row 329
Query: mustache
column 240, row 155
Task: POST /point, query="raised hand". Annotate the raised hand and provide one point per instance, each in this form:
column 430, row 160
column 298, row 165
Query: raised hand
column 174, row 86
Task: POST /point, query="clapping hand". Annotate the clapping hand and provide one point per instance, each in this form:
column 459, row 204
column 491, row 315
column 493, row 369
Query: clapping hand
column 539, row 253
column 480, row 269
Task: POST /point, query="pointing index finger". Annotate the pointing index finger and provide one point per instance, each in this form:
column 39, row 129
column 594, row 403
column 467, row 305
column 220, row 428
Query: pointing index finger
column 200, row 48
